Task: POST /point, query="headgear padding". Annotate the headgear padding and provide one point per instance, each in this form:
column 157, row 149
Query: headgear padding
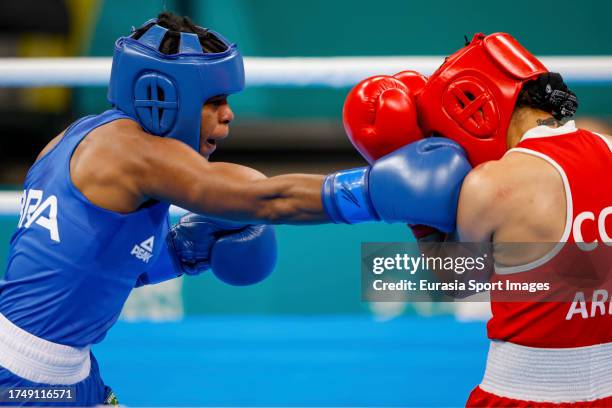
column 165, row 93
column 472, row 96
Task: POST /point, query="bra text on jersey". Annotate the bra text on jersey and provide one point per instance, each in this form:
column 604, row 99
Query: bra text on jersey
column 35, row 210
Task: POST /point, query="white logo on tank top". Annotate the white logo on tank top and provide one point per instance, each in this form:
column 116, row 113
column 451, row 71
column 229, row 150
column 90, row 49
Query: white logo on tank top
column 144, row 251
column 36, row 211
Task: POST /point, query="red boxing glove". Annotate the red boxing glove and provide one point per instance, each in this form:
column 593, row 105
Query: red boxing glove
column 380, row 114
column 412, row 79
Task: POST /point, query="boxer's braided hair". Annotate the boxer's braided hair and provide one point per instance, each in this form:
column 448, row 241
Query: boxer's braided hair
column 549, row 93
column 176, row 25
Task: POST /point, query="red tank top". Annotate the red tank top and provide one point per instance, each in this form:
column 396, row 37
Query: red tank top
column 584, row 161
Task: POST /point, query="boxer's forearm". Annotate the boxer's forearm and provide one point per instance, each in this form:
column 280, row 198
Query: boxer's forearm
column 289, row 199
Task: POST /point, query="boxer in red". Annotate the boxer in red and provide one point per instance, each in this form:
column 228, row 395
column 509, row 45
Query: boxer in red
column 536, row 179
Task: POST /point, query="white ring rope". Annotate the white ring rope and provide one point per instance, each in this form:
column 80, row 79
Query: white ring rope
column 333, row 72
column 10, row 204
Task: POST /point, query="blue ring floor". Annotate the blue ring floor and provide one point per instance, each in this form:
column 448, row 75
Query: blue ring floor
column 294, row 361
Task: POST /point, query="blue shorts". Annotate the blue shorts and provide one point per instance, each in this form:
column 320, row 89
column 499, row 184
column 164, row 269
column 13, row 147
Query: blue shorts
column 91, row 391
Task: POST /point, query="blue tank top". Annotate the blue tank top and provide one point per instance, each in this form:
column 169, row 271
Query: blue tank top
column 71, row 264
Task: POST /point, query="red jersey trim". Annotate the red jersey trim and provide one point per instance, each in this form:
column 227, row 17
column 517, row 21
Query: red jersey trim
column 605, row 139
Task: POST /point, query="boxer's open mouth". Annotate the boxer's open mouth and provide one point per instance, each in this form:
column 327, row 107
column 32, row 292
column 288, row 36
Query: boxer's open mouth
column 211, row 141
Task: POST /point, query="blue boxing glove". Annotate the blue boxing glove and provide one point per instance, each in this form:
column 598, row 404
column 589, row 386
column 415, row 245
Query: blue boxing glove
column 238, row 254
column 416, row 184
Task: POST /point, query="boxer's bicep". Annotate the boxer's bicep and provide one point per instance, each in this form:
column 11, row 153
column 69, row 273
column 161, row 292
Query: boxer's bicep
column 477, row 215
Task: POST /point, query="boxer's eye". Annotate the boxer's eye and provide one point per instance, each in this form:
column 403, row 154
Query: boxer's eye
column 217, row 100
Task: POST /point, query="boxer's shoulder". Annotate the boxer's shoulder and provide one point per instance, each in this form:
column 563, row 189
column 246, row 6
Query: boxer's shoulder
column 107, row 149
column 499, row 192
column 528, row 169
column 518, row 178
column 480, row 209
column 106, row 165
column 491, row 181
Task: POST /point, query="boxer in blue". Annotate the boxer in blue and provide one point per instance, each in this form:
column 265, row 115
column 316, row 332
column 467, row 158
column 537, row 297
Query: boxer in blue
column 94, row 212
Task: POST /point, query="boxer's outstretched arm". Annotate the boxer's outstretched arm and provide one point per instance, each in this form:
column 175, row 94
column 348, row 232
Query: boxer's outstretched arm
column 170, row 171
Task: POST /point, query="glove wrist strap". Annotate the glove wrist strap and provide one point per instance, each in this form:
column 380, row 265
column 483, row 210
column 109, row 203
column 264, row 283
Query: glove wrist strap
column 184, row 262
column 346, row 198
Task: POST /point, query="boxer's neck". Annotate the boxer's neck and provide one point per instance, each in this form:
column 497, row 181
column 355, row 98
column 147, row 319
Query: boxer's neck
column 525, row 118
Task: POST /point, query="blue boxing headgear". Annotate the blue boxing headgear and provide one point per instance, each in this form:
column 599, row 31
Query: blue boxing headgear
column 165, row 93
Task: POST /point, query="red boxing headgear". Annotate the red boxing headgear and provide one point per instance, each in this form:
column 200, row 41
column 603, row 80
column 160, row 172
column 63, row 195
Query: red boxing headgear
column 471, row 97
